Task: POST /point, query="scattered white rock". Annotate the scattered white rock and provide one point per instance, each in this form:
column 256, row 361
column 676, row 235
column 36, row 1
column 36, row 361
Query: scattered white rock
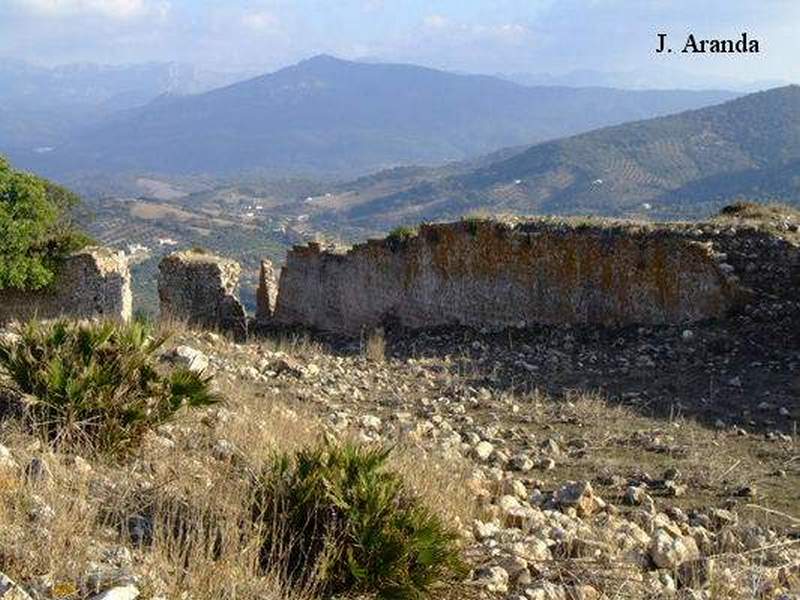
column 550, row 448
column 188, row 357
column 223, row 450
column 10, row 590
column 521, row 462
column 668, row 551
column 546, row 591
column 494, row 579
column 483, row 450
column 580, row 496
column 547, row 464
column 7, row 462
column 635, row 495
column 370, row 422
column 124, row 592
column 484, row 530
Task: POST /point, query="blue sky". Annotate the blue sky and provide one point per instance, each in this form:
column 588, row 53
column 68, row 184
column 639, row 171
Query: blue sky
column 534, row 36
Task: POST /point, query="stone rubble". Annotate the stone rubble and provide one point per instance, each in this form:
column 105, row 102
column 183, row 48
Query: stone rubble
column 530, row 531
column 553, row 519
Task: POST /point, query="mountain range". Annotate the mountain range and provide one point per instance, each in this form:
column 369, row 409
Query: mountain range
column 682, row 165
column 43, row 106
column 334, row 117
column 638, row 79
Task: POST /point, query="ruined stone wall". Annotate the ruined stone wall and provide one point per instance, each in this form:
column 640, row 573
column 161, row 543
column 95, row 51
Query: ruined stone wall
column 487, row 274
column 267, row 292
column 92, row 283
column 200, row 288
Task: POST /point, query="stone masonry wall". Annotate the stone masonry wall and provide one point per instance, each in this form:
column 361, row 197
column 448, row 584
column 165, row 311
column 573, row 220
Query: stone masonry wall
column 201, row 289
column 92, row 283
column 488, row 274
column 267, row 292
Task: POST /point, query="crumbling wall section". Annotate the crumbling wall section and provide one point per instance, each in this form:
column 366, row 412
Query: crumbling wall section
column 267, row 293
column 200, row 288
column 94, row 283
column 489, row 274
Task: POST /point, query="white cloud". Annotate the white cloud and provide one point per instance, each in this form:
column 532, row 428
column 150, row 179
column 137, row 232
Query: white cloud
column 502, row 32
column 113, row 9
column 435, row 22
column 511, row 32
column 261, row 20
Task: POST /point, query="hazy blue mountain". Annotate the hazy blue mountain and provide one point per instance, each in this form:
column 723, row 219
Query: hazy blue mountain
column 42, row 107
column 686, row 164
column 326, row 115
column 660, row 76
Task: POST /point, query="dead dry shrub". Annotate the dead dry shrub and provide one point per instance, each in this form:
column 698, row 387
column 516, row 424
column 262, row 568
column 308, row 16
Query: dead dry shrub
column 375, row 346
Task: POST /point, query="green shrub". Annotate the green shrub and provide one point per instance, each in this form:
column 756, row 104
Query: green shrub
column 97, row 385
column 35, row 228
column 399, row 235
column 740, row 208
column 337, row 519
column 473, row 222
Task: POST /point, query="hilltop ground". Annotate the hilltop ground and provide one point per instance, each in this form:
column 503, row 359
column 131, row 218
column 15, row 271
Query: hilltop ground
column 577, row 463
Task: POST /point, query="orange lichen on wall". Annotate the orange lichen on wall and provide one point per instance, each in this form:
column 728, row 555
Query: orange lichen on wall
column 486, row 273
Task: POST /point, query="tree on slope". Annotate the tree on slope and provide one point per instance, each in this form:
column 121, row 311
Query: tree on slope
column 35, row 228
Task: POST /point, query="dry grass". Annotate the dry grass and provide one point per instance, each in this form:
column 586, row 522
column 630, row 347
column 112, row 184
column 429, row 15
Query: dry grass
column 177, row 329
column 203, row 544
column 47, row 527
column 772, row 217
column 179, row 480
column 442, row 481
column 375, row 346
column 759, row 211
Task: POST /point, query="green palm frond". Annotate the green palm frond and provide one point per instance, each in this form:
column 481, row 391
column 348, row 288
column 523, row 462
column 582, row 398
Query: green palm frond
column 98, row 383
column 385, row 542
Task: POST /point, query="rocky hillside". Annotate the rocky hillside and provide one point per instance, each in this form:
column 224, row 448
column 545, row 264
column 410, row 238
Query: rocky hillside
column 573, row 461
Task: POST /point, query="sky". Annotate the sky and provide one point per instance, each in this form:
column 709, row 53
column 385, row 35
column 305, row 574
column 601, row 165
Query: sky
column 485, row 36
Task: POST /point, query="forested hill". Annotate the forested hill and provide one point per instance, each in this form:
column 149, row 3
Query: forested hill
column 679, row 165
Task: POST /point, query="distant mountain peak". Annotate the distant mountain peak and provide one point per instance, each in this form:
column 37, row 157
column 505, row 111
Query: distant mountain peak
column 324, row 59
column 334, row 116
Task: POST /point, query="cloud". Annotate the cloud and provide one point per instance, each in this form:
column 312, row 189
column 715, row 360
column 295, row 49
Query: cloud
column 510, row 32
column 435, row 22
column 113, row 9
column 555, row 36
column 449, row 27
column 261, row 21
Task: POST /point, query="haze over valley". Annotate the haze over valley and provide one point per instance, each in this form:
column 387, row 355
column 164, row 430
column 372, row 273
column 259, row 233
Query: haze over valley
column 343, row 149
